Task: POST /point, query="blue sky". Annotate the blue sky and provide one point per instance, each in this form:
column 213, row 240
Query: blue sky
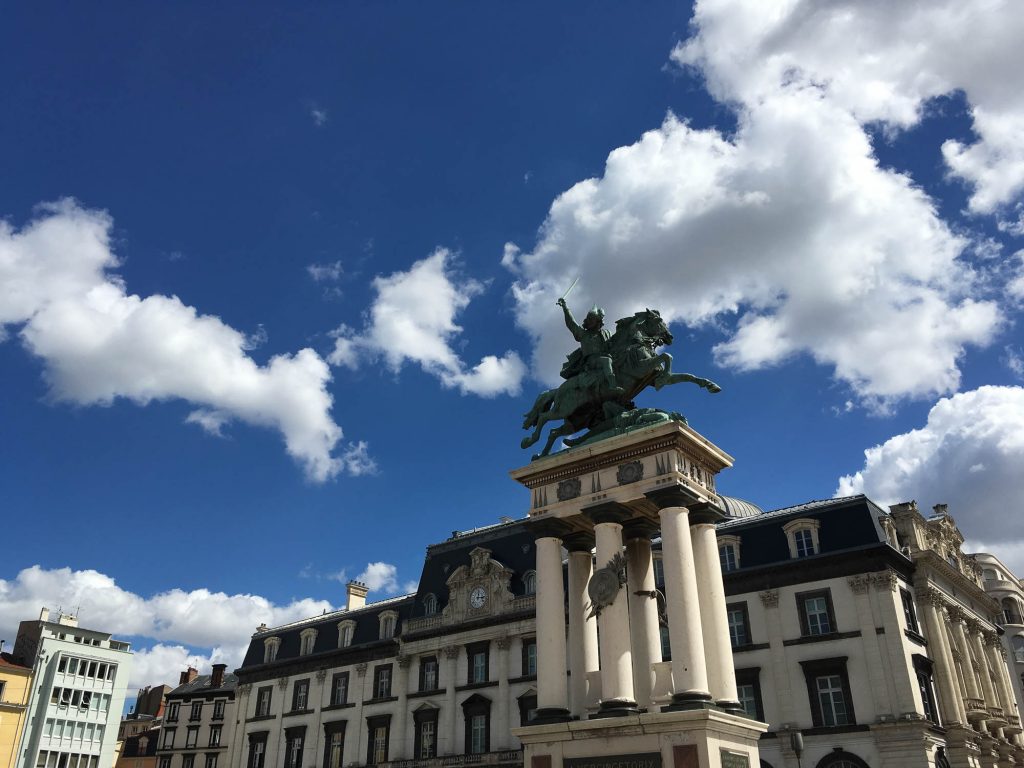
column 278, row 282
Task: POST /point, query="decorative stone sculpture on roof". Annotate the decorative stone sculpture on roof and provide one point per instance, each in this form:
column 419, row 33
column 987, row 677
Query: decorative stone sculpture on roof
column 603, row 376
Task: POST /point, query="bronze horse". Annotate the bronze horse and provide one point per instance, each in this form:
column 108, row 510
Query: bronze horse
column 636, row 364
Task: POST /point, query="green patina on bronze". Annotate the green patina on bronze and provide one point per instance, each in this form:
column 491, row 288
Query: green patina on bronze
column 603, row 376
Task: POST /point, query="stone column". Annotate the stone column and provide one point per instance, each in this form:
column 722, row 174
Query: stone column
column 991, row 698
column 714, row 619
column 956, row 618
column 644, row 628
column 617, row 695
column 449, row 717
column 951, row 706
column 880, row 672
column 552, row 694
column 689, row 669
column 583, row 661
column 993, row 647
column 500, row 736
column 400, row 688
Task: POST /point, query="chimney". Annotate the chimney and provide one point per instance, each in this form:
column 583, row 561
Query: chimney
column 356, row 595
column 188, row 676
column 44, row 615
column 217, row 678
column 941, row 509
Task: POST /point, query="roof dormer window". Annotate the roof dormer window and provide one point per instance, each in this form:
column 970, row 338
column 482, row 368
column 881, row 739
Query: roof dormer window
column 429, row 604
column 270, row 648
column 729, row 552
column 308, row 638
column 388, row 621
column 346, row 631
column 803, row 537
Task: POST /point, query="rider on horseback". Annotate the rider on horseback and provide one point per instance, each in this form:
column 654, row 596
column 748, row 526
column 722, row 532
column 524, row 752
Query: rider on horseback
column 593, row 356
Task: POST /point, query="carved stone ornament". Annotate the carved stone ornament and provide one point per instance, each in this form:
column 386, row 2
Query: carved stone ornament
column 859, row 583
column 321, row 675
column 770, row 598
column 503, row 642
column 245, row 688
column 886, row 580
column 569, row 489
column 605, row 584
column 451, row 651
column 403, row 660
column 282, row 683
column 630, row 472
column 361, row 669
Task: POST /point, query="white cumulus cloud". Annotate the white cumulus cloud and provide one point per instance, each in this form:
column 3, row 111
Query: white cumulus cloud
column 179, row 621
column 413, row 319
column 383, row 577
column 968, row 455
column 60, row 293
column 881, row 61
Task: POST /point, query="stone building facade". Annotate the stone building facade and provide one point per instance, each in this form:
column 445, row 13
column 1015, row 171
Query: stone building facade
column 851, row 626
column 199, row 721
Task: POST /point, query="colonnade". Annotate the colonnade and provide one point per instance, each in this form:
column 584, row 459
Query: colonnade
column 616, row 676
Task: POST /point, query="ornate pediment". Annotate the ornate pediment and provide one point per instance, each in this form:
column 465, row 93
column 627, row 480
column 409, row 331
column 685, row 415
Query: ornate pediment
column 478, row 589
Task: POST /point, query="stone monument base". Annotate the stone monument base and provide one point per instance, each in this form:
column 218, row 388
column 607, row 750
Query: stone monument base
column 704, row 738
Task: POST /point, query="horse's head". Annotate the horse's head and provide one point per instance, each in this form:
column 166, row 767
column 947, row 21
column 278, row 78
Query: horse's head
column 653, row 325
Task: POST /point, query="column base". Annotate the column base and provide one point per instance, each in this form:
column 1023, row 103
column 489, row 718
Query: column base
column 689, row 700
column 616, row 708
column 733, row 707
column 548, row 715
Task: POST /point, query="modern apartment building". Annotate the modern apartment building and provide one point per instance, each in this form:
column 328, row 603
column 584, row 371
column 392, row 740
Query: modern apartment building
column 77, row 695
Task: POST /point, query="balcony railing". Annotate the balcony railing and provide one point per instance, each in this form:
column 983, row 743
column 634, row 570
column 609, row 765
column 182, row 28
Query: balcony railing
column 975, row 709
column 995, row 716
column 522, row 603
column 508, row 757
column 1012, row 724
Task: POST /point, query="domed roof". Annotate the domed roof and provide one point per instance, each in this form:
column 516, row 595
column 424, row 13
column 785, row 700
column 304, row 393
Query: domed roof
column 740, row 507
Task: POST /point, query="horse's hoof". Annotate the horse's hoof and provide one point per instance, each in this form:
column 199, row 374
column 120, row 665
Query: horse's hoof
column 525, row 443
column 714, row 389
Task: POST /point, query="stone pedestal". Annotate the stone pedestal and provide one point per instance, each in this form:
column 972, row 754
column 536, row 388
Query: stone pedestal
column 618, row 493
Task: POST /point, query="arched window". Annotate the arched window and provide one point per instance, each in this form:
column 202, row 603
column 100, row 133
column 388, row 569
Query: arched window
column 308, row 639
column 429, row 604
column 270, row 646
column 530, row 583
column 346, row 631
column 841, row 759
column 990, row 575
column 803, row 537
column 1011, row 611
column 388, row 621
column 729, row 552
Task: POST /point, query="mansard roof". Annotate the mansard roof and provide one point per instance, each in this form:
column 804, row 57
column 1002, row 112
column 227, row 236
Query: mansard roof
column 201, row 686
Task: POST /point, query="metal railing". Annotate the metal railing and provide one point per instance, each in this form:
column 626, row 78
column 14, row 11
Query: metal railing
column 507, row 757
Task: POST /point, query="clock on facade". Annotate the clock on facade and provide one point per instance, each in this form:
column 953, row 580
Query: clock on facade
column 477, row 598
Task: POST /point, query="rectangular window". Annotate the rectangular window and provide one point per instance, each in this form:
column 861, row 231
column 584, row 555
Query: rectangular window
column 72, row 665
column 478, row 734
column 382, row 682
column 211, row 761
column 745, row 693
column 257, row 750
column 804, row 542
column 832, row 700
column 172, row 712
column 659, row 571
column 62, row 665
column 428, row 673
column 263, row 700
column 339, row 688
column 191, row 737
column 828, row 689
column 378, row 732
column 335, row 749
column 816, row 614
column 293, row 750
column 215, row 735
column 739, row 624
column 218, row 709
column 168, row 741
column 529, row 656
column 196, row 713
column 164, row 762
column 428, row 739
column 477, row 658
column 188, row 761
column 300, row 695
column 727, row 557
column 909, row 612
column 926, row 686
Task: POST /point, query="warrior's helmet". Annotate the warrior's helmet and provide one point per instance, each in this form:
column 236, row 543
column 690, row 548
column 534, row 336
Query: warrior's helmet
column 594, row 318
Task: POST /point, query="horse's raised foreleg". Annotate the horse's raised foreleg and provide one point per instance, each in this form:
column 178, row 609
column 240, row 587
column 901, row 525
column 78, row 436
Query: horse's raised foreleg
column 542, row 403
column 667, row 377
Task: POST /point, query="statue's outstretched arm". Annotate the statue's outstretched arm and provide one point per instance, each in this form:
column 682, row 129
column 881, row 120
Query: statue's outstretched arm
column 570, row 322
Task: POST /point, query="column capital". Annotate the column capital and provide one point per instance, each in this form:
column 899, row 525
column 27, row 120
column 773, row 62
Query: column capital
column 578, row 541
column 770, row 598
column 639, row 528
column 607, row 512
column 677, row 495
column 550, row 528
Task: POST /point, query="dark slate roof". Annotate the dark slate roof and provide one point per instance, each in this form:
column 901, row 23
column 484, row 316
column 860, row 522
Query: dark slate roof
column 201, row 686
column 510, row 543
column 367, row 630
column 845, row 523
column 7, row 661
